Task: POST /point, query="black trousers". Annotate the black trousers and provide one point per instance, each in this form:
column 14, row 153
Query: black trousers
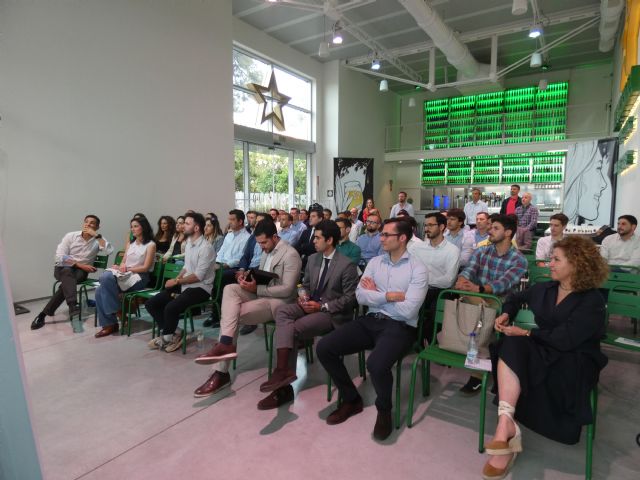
column 389, row 340
column 166, row 309
column 430, row 302
column 69, row 278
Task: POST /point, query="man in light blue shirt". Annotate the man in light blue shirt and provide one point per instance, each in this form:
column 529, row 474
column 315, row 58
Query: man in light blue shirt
column 393, row 286
column 474, row 207
column 233, row 246
column 287, row 232
column 369, row 243
column 456, row 234
column 298, row 224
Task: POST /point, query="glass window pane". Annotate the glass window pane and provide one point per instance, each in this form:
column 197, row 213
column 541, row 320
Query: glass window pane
column 247, row 112
column 297, row 124
column 300, row 178
column 295, row 87
column 247, row 69
column 238, row 157
column 268, row 178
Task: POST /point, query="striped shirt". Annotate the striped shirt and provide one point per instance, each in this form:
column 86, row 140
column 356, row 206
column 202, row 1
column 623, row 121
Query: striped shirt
column 502, row 273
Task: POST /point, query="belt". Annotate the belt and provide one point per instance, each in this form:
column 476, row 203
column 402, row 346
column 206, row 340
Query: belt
column 378, row 315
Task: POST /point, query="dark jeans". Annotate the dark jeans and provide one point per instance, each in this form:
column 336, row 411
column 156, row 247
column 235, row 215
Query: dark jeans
column 389, row 340
column 430, row 302
column 166, row 310
column 69, row 278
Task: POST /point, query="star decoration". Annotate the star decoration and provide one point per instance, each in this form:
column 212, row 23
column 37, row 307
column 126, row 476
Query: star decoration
column 276, row 115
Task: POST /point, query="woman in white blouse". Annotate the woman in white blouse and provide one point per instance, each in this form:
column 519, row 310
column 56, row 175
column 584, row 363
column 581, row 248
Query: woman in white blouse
column 138, row 259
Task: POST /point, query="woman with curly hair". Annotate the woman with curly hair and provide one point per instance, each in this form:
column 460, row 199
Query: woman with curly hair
column 165, row 234
column 544, row 375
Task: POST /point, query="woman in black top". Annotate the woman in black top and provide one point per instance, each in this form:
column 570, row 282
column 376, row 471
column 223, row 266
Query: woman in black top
column 545, row 375
column 164, row 235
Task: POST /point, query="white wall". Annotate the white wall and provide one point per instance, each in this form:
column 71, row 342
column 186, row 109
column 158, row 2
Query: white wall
column 110, row 108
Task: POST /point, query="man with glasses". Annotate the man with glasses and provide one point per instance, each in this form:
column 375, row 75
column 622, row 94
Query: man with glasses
column 369, row 243
column 442, row 260
column 393, row 286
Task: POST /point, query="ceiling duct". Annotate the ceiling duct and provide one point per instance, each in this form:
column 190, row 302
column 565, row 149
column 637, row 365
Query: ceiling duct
column 610, row 12
column 447, row 41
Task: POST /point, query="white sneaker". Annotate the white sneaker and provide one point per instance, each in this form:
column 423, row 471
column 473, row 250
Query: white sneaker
column 156, row 343
column 174, row 344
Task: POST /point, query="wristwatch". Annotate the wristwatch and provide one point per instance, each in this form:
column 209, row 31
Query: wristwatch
column 324, row 308
column 480, row 288
column 98, row 237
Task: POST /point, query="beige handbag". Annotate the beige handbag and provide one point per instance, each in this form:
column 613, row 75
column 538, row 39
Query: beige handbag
column 461, row 317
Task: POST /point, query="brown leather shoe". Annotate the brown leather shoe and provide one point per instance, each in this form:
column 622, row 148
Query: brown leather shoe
column 108, row 330
column 344, row 411
column 219, row 352
column 383, row 427
column 276, row 398
column 216, row 382
column 279, row 378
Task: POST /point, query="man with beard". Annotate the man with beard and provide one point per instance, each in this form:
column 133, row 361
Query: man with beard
column 369, row 243
column 623, row 248
column 192, row 286
column 496, row 269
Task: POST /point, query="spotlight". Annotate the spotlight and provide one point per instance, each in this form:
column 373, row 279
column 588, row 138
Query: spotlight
column 536, row 30
column 375, row 64
column 337, row 34
column 323, row 49
column 536, row 60
column 384, row 86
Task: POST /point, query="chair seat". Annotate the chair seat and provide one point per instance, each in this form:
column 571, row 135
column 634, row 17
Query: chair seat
column 438, row 355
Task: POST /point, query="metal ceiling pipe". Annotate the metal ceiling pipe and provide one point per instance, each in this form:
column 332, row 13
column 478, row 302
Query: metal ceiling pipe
column 610, row 12
column 443, row 37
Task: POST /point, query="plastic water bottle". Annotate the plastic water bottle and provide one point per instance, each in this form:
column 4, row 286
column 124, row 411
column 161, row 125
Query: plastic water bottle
column 302, row 293
column 472, row 350
column 200, row 339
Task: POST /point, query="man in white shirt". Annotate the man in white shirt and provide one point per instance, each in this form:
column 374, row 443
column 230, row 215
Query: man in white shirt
column 442, row 260
column 74, row 261
column 356, row 225
column 623, row 248
column 402, row 205
column 544, row 249
column 193, row 285
column 475, row 206
column 456, row 235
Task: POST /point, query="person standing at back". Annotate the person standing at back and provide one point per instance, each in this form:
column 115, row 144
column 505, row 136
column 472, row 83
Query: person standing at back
column 509, row 204
column 402, row 205
column 473, row 207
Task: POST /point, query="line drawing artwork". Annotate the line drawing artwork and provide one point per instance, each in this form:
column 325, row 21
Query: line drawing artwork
column 353, row 182
column 588, row 191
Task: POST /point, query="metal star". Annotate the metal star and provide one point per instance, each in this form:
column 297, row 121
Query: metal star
column 276, row 115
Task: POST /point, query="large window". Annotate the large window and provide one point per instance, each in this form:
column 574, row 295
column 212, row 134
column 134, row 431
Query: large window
column 267, row 177
column 247, row 68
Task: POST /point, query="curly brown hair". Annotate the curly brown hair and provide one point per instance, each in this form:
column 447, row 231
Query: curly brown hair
column 590, row 270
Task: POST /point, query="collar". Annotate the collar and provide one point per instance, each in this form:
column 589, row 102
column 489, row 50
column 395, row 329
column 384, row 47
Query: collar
column 440, row 245
column 330, row 257
column 387, row 257
column 196, row 243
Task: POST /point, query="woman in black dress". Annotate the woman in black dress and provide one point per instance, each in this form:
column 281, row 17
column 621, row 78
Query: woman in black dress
column 545, row 375
column 164, row 235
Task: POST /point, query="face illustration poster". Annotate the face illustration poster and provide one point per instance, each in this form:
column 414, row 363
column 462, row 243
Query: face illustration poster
column 589, row 189
column 353, row 182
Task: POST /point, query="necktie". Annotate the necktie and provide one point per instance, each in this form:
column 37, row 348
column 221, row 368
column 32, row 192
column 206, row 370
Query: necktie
column 320, row 286
column 313, row 229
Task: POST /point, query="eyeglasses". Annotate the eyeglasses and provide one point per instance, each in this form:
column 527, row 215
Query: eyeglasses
column 430, row 225
column 371, row 222
column 387, row 235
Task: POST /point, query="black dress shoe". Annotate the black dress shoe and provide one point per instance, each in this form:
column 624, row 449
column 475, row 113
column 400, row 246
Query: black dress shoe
column 38, row 322
column 211, row 322
column 344, row 411
column 383, row 427
column 247, row 329
column 276, row 398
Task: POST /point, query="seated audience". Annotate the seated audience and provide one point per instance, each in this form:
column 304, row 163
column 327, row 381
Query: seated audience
column 544, row 248
column 213, row 233
column 192, row 286
column 75, row 255
column 345, row 246
column 298, row 224
column 138, row 259
column 393, row 286
column 623, row 248
column 287, row 232
column 544, row 376
column 331, row 279
column 369, row 241
column 527, row 214
column 304, row 217
column 458, row 236
column 356, row 225
column 480, row 234
column 326, row 214
column 164, row 235
column 177, row 242
column 251, row 220
column 496, row 269
column 305, row 245
column 233, row 246
column 442, row 260
column 246, row 302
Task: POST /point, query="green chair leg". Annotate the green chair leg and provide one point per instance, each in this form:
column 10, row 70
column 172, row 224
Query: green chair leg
column 362, row 365
column 234, row 364
column 412, row 388
column 483, row 403
column 589, row 462
column 308, row 351
column 426, row 386
column 329, row 392
column 398, row 391
column 266, row 341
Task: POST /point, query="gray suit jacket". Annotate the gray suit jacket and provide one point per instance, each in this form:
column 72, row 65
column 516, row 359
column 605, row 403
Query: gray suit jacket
column 340, row 285
column 286, row 264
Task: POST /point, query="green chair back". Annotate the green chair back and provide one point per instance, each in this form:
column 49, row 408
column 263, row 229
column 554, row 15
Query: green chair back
column 157, row 272
column 630, row 281
column 538, row 274
column 216, row 292
column 171, row 270
column 119, row 257
column 102, row 261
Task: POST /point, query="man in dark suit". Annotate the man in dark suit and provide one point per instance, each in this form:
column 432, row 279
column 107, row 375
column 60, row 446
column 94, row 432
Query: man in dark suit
column 331, row 279
column 305, row 244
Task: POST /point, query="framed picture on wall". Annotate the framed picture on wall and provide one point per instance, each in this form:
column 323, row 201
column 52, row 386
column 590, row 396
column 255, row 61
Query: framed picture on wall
column 353, row 182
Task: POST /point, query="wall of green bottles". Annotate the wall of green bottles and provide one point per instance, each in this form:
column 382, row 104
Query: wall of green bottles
column 519, row 115
column 536, row 167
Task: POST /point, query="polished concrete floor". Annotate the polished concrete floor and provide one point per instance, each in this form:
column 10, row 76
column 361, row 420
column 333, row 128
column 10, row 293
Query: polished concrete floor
column 112, row 409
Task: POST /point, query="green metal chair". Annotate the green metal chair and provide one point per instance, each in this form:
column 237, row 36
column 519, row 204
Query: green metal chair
column 525, row 319
column 433, row 353
column 624, row 300
column 538, row 274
